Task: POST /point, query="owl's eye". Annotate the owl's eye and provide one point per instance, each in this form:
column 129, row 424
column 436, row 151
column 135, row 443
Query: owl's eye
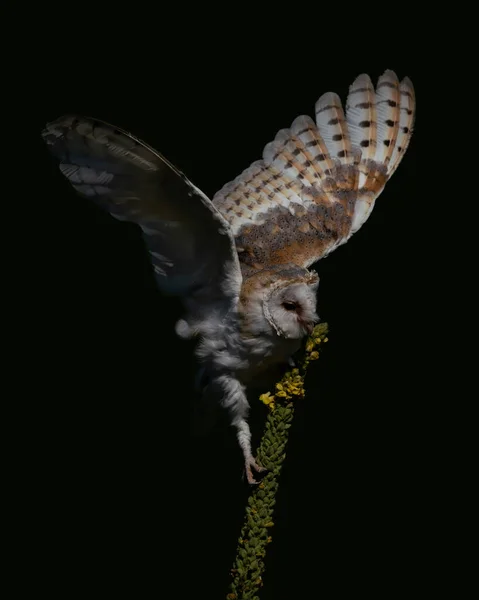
column 290, row 305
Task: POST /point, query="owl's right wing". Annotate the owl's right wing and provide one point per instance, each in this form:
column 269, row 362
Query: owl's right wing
column 317, row 182
column 191, row 245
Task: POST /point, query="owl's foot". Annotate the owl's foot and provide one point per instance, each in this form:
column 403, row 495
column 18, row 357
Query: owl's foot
column 250, row 464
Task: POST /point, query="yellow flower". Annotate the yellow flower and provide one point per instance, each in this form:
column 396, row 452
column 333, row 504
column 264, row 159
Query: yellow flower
column 295, row 390
column 314, row 355
column 266, row 398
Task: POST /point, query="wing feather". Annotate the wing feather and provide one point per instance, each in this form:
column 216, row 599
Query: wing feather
column 332, row 126
column 191, row 246
column 317, row 182
column 406, row 123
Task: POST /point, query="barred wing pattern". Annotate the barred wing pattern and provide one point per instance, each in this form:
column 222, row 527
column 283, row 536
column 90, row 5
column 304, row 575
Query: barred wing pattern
column 191, row 246
column 318, row 181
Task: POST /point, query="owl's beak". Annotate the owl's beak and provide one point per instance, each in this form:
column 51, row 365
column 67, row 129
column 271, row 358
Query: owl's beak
column 308, row 325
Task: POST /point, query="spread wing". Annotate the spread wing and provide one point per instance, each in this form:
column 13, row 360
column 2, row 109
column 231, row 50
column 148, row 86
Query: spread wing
column 191, row 246
column 318, row 181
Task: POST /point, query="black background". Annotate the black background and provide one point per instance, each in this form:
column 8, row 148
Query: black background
column 125, row 499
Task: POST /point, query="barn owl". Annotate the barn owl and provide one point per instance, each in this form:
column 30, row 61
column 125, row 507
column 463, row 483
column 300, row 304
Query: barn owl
column 240, row 262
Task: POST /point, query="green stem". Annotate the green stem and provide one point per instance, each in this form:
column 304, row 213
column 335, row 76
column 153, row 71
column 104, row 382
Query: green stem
column 255, row 534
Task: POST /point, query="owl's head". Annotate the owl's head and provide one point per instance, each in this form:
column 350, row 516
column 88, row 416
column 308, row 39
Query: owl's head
column 283, row 301
column 291, row 309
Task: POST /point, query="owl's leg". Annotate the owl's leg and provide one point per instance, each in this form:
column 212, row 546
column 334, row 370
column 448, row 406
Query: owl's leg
column 244, row 439
column 234, row 399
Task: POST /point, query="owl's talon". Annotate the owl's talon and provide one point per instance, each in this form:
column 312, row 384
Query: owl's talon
column 252, row 464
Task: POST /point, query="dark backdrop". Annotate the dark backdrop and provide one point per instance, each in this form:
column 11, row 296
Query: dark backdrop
column 127, row 499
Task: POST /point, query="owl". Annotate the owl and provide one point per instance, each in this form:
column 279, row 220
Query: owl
column 241, row 261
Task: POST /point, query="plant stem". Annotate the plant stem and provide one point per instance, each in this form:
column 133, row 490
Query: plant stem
column 255, row 534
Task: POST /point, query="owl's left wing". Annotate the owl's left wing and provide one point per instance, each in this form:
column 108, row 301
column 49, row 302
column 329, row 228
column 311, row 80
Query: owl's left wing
column 190, row 244
column 318, row 181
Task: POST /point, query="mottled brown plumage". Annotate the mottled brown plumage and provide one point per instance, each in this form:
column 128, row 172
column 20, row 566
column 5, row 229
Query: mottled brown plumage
column 317, row 182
